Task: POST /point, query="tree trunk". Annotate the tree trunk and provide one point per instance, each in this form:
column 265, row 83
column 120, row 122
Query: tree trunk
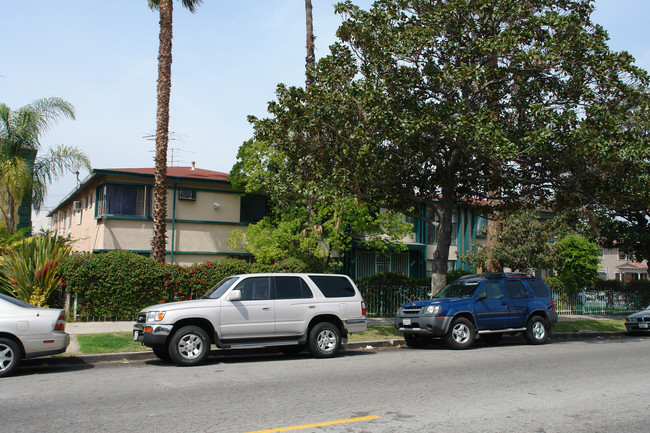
column 441, row 255
column 159, row 241
column 494, row 227
column 310, row 59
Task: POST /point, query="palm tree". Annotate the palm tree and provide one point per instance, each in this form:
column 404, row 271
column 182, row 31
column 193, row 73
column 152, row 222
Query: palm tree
column 25, row 175
column 310, row 59
column 165, row 7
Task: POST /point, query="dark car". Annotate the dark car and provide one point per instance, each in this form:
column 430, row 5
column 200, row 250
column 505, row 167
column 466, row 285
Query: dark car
column 486, row 306
column 638, row 322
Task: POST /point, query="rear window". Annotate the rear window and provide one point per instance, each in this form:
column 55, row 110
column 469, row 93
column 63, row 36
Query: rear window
column 539, row 288
column 333, row 286
column 291, row 288
column 515, row 289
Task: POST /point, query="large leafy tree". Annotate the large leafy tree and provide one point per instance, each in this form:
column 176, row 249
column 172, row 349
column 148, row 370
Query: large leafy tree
column 25, row 173
column 165, row 8
column 429, row 102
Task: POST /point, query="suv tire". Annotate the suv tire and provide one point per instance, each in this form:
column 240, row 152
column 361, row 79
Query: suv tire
column 189, row 345
column 162, row 352
column 461, row 334
column 324, row 340
column 536, row 330
column 9, row 356
column 417, row 341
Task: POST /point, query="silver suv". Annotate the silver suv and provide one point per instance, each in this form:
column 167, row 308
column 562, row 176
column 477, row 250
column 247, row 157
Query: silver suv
column 288, row 311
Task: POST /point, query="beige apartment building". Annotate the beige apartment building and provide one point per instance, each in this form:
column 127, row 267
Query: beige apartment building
column 111, row 210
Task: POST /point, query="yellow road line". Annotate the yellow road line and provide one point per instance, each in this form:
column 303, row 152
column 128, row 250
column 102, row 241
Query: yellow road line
column 320, row 424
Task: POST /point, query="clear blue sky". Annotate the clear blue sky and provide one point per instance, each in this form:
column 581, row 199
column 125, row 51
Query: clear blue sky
column 227, row 59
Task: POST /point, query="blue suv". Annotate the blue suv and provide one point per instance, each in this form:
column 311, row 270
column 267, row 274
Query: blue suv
column 484, row 306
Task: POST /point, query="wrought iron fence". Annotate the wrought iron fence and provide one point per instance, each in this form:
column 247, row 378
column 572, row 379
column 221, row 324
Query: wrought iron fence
column 597, row 302
column 384, row 302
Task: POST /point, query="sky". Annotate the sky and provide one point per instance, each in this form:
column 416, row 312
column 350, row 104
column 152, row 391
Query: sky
column 228, row 58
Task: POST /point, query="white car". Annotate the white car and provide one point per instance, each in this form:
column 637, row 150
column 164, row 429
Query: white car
column 28, row 332
column 289, row 311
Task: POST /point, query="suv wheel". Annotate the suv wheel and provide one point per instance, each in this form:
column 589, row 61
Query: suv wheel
column 9, row 356
column 536, row 330
column 416, row 341
column 190, row 345
column 324, row 340
column 161, row 352
column 461, row 334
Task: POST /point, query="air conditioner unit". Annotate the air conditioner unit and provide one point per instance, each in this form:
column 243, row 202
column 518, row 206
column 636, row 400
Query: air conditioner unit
column 186, row 194
column 76, row 205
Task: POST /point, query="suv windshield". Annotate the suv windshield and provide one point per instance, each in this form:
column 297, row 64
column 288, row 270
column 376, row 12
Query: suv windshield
column 458, row 290
column 220, row 288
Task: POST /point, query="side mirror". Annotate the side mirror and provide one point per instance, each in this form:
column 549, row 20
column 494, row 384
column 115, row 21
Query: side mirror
column 235, row 295
column 481, row 296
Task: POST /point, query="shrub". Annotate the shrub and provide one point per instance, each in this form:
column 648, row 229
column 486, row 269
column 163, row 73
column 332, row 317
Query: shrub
column 29, row 269
column 121, row 283
column 385, row 292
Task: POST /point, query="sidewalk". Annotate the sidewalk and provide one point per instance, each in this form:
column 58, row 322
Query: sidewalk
column 81, row 328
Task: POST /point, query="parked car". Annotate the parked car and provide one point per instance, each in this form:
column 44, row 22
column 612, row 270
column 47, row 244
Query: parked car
column 486, row 306
column 638, row 322
column 27, row 331
column 289, row 311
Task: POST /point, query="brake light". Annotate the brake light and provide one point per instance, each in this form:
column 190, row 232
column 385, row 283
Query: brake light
column 363, row 308
column 553, row 303
column 60, row 323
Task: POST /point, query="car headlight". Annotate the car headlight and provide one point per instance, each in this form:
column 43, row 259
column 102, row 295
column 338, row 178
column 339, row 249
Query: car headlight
column 432, row 309
column 155, row 316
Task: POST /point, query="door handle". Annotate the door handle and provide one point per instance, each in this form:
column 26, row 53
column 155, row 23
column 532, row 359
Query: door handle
column 265, row 308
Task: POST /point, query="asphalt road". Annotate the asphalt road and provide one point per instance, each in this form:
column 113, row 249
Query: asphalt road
column 598, row 385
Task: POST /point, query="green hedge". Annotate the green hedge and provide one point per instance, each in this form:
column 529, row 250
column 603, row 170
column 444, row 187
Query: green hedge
column 121, row 283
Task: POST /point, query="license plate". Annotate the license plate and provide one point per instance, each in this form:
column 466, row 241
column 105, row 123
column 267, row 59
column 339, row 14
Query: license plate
column 135, row 335
column 406, row 322
column 643, row 325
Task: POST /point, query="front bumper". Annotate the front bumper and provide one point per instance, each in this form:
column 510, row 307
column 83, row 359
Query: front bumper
column 151, row 334
column 436, row 326
column 633, row 326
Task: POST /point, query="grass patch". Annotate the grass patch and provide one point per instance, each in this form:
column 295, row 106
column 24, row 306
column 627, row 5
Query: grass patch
column 376, row 333
column 606, row 325
column 110, row 342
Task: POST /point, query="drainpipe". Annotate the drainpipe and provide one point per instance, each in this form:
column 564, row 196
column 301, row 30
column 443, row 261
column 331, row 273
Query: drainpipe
column 173, row 221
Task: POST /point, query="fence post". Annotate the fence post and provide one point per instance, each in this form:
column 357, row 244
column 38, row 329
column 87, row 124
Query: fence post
column 584, row 299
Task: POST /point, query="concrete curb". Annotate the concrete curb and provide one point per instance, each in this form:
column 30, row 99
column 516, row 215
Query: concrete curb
column 147, row 355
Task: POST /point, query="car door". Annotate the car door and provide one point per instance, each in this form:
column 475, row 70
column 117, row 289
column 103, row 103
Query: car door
column 295, row 305
column 490, row 309
column 517, row 302
column 252, row 316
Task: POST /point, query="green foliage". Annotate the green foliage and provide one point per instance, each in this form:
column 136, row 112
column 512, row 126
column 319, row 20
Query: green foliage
column 425, row 103
column 29, row 270
column 577, row 262
column 455, row 274
column 20, row 133
column 121, row 283
column 524, row 244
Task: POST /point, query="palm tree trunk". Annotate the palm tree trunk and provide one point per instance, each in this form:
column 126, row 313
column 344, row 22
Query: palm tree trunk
column 158, row 246
column 310, row 59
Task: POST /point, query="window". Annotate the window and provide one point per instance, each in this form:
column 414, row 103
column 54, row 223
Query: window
column 253, row 208
column 539, row 288
column 254, row 289
column 127, row 200
column 515, row 289
column 454, row 228
column 480, row 226
column 432, row 229
column 622, row 255
column 333, row 287
column 371, row 263
column 291, row 288
column 492, row 290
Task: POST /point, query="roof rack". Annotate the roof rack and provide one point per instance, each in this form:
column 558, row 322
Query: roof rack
column 495, row 275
